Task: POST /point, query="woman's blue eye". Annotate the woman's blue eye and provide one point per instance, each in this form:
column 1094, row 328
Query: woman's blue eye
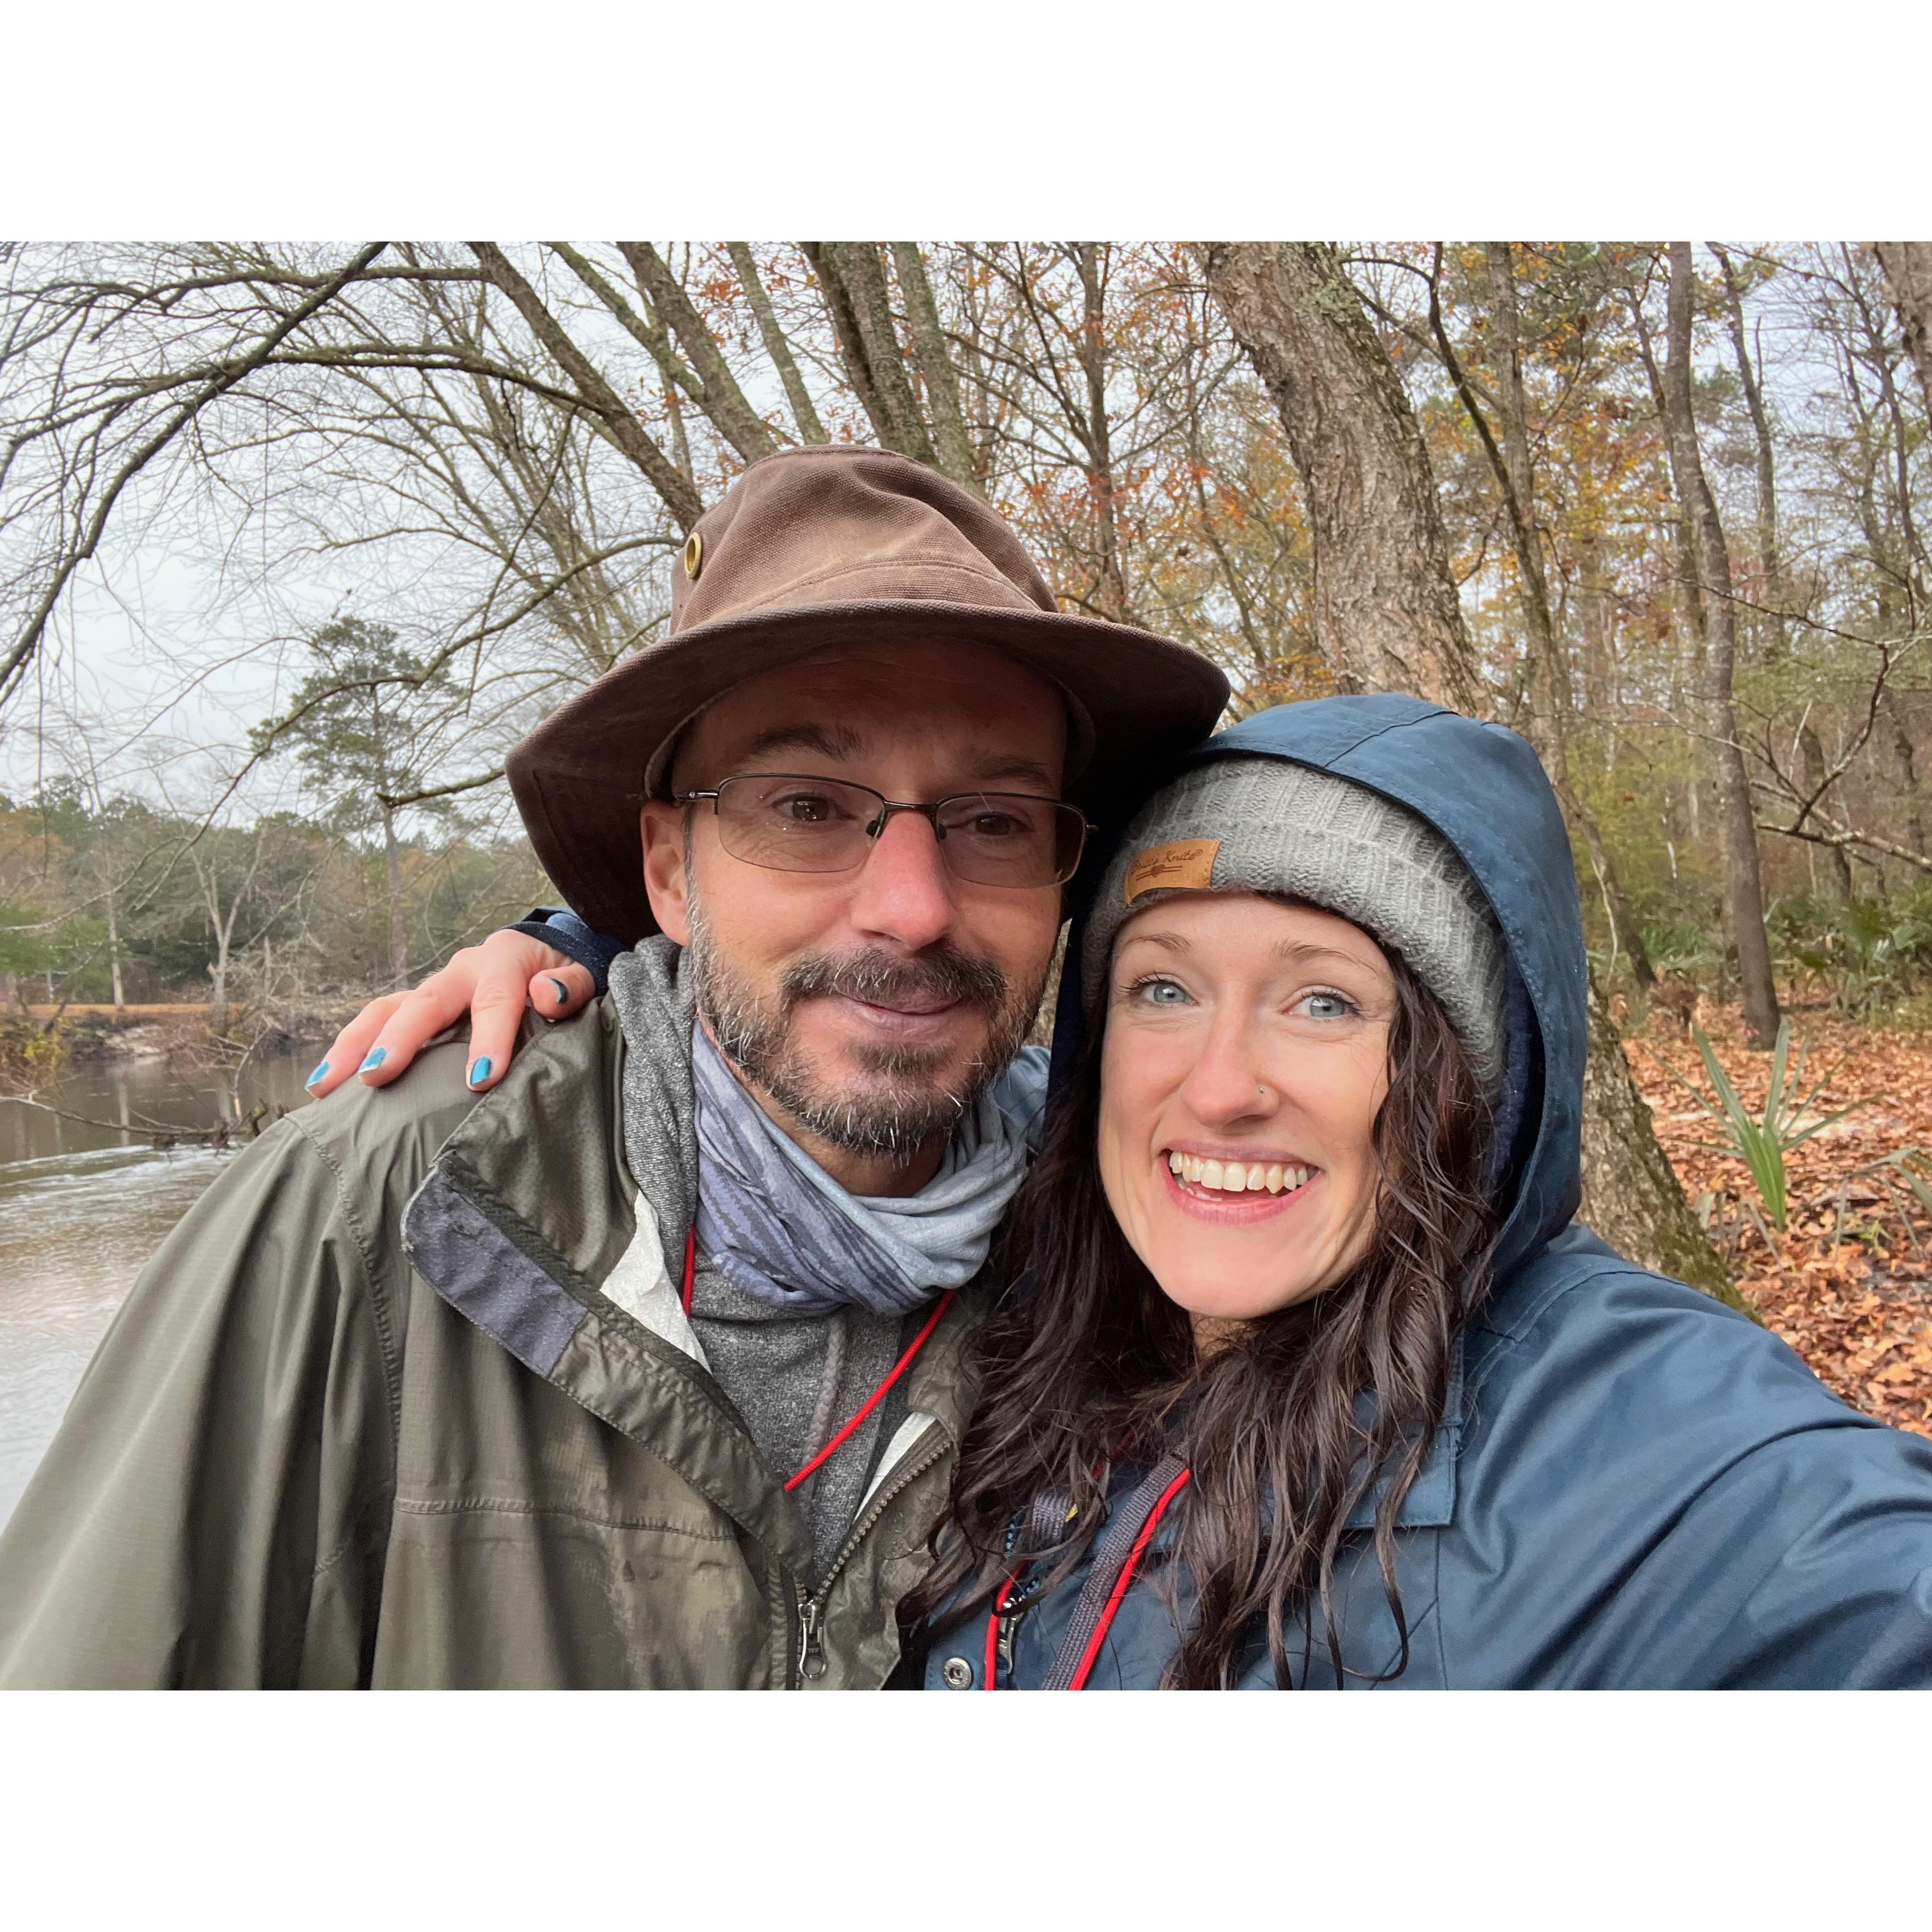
column 1326, row 1006
column 1161, row 992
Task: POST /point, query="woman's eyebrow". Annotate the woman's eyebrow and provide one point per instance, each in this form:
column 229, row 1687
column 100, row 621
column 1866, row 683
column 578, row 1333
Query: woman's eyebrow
column 1297, row 951
column 1301, row 949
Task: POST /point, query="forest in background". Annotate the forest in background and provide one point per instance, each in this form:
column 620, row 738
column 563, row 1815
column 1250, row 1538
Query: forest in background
column 436, row 489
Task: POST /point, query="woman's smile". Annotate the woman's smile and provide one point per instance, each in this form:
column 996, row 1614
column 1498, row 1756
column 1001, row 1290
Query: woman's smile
column 1251, row 1188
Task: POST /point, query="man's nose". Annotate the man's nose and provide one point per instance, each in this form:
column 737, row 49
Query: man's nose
column 1228, row 1082
column 905, row 893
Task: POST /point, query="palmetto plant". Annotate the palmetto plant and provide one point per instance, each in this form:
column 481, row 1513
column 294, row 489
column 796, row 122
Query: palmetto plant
column 1761, row 1141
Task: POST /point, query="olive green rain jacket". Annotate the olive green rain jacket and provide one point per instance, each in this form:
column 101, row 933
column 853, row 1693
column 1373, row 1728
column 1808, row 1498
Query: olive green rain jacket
column 317, row 1447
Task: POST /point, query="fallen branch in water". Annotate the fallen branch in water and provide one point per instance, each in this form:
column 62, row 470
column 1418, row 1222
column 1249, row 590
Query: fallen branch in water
column 163, row 1134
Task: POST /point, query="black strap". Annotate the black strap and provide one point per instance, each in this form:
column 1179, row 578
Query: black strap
column 1109, row 1560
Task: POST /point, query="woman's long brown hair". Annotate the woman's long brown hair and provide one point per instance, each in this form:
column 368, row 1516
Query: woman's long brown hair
column 1087, row 1365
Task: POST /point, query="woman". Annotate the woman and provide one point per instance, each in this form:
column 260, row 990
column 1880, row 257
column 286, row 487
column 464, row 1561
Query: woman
column 1312, row 1381
column 1307, row 1377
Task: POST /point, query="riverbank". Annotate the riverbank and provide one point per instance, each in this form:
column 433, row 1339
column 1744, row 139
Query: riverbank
column 45, row 1042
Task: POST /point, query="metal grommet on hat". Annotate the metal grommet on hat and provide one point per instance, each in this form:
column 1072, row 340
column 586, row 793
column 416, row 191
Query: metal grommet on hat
column 694, row 555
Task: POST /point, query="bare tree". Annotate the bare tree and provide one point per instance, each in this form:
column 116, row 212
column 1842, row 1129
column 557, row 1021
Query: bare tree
column 1744, row 878
column 1770, row 563
column 1908, row 268
column 1551, row 712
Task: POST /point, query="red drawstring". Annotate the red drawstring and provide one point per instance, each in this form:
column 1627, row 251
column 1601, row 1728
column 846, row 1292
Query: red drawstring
column 993, row 1632
column 871, row 1401
column 1125, row 1579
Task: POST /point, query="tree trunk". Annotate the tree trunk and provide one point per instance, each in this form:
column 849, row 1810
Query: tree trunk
column 1631, row 1195
column 602, row 402
column 114, row 955
column 680, row 442
column 810, row 429
column 1811, row 752
column 1372, row 495
column 824, row 256
column 1767, row 467
column 1743, row 880
column 853, row 279
column 934, row 364
column 399, row 931
column 1905, row 758
column 1813, row 768
column 724, row 402
column 217, row 976
column 1908, row 269
column 1091, row 351
column 1550, row 706
column 1386, row 615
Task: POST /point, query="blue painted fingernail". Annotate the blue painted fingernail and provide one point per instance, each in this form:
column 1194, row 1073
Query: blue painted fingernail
column 317, row 1074
column 562, row 991
column 376, row 1057
column 479, row 1070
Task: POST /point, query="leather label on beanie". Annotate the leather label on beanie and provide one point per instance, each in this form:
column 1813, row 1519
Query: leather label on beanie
column 1181, row 865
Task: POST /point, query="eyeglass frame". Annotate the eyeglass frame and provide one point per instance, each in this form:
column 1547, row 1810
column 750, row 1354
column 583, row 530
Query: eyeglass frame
column 888, row 807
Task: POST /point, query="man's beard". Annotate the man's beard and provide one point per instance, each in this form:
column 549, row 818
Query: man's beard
column 905, row 1105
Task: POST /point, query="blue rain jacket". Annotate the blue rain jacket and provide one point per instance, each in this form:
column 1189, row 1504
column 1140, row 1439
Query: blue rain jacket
column 1632, row 1485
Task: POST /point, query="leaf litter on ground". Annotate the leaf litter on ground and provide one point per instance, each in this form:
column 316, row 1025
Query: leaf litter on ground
column 1848, row 1283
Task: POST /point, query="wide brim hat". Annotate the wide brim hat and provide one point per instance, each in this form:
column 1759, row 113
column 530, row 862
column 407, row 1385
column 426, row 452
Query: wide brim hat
column 828, row 546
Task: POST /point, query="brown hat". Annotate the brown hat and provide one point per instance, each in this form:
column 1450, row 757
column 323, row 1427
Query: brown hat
column 826, row 546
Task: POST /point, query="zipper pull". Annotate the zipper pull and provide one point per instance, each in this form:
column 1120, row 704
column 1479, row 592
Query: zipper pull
column 811, row 1643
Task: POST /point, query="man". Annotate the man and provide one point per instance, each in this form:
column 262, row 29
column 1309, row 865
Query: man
column 640, row 1362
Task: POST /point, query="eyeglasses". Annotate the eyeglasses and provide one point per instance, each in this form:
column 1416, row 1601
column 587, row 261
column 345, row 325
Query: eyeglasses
column 788, row 822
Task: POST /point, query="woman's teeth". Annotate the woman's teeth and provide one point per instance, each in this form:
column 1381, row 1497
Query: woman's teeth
column 1235, row 1177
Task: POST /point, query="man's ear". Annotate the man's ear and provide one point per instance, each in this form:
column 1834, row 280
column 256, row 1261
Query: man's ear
column 661, row 823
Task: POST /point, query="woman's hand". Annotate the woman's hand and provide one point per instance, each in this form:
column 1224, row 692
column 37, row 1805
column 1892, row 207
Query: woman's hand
column 492, row 983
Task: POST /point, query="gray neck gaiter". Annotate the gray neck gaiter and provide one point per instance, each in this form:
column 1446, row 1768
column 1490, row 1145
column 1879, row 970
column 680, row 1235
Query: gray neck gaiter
column 778, row 1225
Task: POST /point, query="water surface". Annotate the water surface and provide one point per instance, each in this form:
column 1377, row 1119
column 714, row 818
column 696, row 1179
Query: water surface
column 82, row 1207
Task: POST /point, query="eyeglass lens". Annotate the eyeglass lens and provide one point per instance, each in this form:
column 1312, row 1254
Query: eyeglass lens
column 790, row 823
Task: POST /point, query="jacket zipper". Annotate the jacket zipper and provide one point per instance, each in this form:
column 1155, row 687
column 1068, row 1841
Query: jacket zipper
column 811, row 1643
column 812, row 1661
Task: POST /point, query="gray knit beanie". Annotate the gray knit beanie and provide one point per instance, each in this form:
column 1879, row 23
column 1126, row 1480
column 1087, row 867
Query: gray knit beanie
column 1264, row 825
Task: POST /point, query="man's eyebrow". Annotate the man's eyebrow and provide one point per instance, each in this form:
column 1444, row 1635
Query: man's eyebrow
column 829, row 741
column 1018, row 771
column 840, row 742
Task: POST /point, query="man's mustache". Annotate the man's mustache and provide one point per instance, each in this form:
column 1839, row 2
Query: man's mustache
column 878, row 977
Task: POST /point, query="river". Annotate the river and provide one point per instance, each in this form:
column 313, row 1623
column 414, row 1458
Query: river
column 82, row 1208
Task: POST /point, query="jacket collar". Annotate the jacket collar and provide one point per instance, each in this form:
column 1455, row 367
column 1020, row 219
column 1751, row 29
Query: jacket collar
column 529, row 1212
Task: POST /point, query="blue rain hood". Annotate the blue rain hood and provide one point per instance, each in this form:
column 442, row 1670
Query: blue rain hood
column 1631, row 1485
column 1483, row 788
